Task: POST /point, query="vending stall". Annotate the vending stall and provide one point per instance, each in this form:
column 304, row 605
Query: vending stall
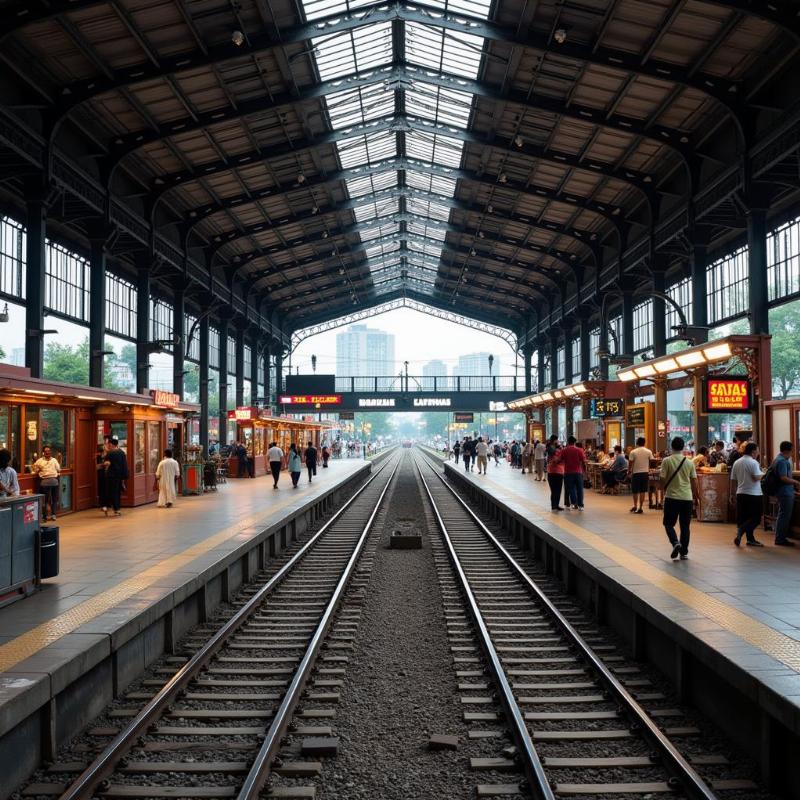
column 74, row 421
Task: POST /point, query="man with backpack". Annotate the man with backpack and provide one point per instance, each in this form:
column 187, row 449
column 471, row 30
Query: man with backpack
column 782, row 484
column 679, row 478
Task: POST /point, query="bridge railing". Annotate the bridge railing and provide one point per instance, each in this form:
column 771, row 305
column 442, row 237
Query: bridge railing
column 386, row 384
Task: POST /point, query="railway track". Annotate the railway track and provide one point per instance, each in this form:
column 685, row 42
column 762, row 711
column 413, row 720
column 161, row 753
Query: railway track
column 561, row 689
column 215, row 728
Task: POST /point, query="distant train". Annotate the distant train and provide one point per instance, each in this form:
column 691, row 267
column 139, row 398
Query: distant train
column 408, row 443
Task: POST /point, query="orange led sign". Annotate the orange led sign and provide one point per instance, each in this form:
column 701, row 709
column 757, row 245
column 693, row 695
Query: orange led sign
column 311, row 399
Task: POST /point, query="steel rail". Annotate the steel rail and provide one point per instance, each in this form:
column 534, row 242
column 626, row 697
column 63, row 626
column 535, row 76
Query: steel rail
column 259, row 771
column 690, row 781
column 532, row 764
column 84, row 786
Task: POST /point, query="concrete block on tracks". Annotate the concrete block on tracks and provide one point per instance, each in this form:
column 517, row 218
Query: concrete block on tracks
column 320, row 746
column 443, row 741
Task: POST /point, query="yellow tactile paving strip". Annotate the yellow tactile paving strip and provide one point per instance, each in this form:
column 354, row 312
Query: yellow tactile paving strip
column 774, row 643
column 30, row 643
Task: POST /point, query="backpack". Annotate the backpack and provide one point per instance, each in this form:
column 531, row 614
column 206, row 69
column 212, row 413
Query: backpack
column 770, row 483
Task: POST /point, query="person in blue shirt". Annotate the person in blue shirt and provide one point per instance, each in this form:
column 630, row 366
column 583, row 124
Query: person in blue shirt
column 783, row 467
column 9, row 485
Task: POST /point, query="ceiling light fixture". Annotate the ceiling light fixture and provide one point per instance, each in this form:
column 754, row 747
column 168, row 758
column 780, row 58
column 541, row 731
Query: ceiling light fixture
column 237, row 37
column 519, row 141
column 560, row 35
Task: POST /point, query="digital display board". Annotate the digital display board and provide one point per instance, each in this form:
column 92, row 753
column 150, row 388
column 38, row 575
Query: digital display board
column 310, row 399
column 635, row 416
column 606, row 407
column 727, row 394
column 463, row 416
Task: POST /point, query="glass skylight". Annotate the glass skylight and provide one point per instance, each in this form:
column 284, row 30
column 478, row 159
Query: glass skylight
column 368, row 52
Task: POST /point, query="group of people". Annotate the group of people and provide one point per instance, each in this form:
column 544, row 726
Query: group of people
column 295, row 462
column 477, row 450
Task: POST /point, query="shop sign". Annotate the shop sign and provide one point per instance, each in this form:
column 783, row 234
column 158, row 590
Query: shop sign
column 376, row 402
column 343, row 415
column 162, row 398
column 463, row 416
column 310, row 399
column 432, row 402
column 497, row 405
column 727, row 394
column 606, row 407
column 32, row 430
column 635, row 416
column 243, row 413
column 30, row 512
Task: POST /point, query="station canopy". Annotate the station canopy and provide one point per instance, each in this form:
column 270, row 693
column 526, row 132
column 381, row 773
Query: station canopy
column 325, row 156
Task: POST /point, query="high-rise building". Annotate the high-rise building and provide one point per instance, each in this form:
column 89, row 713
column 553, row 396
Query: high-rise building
column 476, row 365
column 433, row 369
column 368, row 353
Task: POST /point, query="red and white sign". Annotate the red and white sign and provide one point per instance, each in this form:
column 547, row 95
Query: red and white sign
column 728, row 394
column 310, row 399
column 162, row 398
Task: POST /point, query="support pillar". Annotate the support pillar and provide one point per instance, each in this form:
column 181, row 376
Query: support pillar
column 178, row 338
column 278, row 374
column 255, row 358
column 527, row 354
column 699, row 266
column 586, row 348
column 569, row 416
column 554, row 361
column 142, row 327
column 757, row 273
column 603, row 347
column 36, row 260
column 223, row 382
column 97, row 311
column 204, row 342
column 239, row 366
column 627, row 345
column 659, row 349
column 540, row 386
column 267, row 377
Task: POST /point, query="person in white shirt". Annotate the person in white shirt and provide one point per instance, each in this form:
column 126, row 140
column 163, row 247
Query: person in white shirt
column 47, row 470
column 539, row 459
column 746, row 471
column 167, row 473
column 275, row 458
column 482, row 451
column 639, row 466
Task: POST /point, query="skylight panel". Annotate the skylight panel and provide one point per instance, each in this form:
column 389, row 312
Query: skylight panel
column 434, row 148
column 428, row 182
column 359, row 105
column 314, row 9
column 428, row 208
column 382, row 249
column 376, row 209
column 356, row 187
column 437, row 103
column 358, row 50
column 379, row 231
column 367, row 149
column 444, row 51
column 426, row 248
column 475, row 8
column 421, row 229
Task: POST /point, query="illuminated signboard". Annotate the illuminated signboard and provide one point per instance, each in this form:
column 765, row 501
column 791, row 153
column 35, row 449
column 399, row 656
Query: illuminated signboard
column 727, row 394
column 463, row 416
column 310, row 399
column 161, row 398
column 432, row 402
column 376, row 402
column 606, row 407
column 496, row 405
column 243, row 413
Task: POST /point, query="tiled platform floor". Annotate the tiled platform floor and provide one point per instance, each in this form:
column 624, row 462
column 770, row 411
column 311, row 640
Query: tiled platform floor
column 113, row 567
column 744, row 602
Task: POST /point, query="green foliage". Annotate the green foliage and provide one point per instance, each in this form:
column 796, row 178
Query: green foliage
column 784, row 322
column 63, row 362
column 2, row 353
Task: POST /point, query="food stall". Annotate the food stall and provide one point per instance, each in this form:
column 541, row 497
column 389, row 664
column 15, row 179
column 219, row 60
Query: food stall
column 74, row 422
column 257, row 428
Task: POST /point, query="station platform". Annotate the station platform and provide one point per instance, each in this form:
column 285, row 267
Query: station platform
column 128, row 588
column 724, row 625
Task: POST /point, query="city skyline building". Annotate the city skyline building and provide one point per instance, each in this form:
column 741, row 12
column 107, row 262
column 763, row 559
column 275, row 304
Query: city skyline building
column 476, row 365
column 435, row 368
column 363, row 351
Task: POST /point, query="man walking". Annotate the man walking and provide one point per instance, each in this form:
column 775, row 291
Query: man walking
column 167, row 473
column 680, row 494
column 639, row 466
column 782, row 465
column 466, row 453
column 482, row 452
column 574, row 460
column 311, row 460
column 116, row 465
column 275, row 458
column 749, row 498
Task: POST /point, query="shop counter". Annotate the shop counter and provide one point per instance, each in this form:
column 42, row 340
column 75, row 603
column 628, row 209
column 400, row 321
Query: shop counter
column 715, row 489
column 20, row 519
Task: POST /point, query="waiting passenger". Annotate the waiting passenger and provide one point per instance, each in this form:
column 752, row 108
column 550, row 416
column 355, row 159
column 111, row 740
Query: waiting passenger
column 555, row 477
column 311, row 460
column 615, row 474
column 539, row 459
column 749, row 498
column 639, row 465
column 116, row 465
column 9, row 484
column 167, row 473
column 783, row 467
column 482, row 452
column 47, row 469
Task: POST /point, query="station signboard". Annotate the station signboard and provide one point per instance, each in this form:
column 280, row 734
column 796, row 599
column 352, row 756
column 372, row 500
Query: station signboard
column 432, row 402
column 731, row 393
column 310, row 399
column 606, row 407
column 376, row 402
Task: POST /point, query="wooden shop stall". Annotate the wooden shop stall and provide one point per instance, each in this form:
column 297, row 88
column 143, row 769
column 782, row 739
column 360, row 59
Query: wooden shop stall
column 74, row 422
column 729, row 376
column 257, row 428
column 782, row 423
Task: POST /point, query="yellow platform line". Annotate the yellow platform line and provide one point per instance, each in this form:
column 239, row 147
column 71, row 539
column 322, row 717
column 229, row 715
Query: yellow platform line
column 774, row 643
column 34, row 640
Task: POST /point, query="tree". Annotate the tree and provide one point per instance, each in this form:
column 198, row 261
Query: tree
column 784, row 323
column 2, row 353
column 63, row 362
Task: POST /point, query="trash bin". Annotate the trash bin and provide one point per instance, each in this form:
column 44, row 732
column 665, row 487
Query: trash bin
column 48, row 551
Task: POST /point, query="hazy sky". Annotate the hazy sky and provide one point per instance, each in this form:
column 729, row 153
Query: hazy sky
column 419, row 338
